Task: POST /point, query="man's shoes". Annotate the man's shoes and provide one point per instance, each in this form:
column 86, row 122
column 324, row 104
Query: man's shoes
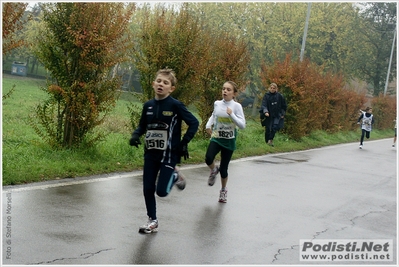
column 361, row 147
column 212, row 176
column 223, row 196
column 150, row 227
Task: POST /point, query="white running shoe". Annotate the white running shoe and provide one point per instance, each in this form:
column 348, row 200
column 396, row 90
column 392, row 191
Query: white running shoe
column 212, row 176
column 223, row 196
column 361, row 147
column 150, row 227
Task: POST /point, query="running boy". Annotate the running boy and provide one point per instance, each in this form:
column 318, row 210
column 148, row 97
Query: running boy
column 366, row 120
column 227, row 115
column 161, row 121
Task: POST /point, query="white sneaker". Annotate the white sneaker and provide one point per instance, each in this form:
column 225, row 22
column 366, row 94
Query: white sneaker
column 212, row 176
column 361, row 146
column 223, row 196
column 150, row 227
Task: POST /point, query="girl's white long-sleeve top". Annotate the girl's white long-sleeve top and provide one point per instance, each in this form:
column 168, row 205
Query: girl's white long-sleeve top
column 219, row 114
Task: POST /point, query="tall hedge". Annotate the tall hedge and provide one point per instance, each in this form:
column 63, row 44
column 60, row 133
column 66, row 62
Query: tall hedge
column 384, row 111
column 317, row 100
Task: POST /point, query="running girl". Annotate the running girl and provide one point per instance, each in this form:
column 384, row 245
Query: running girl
column 226, row 117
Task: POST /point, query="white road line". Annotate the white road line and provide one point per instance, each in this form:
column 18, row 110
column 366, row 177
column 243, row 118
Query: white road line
column 82, row 181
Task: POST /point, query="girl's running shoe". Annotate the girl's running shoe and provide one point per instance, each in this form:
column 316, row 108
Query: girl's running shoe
column 212, row 176
column 150, row 227
column 223, row 196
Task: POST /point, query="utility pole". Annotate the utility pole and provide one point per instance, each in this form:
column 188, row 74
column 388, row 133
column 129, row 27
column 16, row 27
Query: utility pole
column 390, row 61
column 305, row 32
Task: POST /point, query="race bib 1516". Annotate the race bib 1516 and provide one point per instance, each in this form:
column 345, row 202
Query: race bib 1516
column 156, row 139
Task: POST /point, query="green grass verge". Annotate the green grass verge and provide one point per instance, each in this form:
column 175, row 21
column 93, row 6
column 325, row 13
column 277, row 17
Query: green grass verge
column 27, row 159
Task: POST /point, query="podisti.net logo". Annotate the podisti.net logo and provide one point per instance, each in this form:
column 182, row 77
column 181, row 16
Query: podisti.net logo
column 370, row 250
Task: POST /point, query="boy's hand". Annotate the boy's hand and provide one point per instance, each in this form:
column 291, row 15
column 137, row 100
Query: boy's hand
column 135, row 140
column 183, row 149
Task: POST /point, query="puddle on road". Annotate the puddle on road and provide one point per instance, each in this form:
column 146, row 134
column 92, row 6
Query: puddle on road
column 283, row 159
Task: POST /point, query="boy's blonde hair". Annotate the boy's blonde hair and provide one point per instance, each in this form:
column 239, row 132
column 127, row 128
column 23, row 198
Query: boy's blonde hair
column 168, row 72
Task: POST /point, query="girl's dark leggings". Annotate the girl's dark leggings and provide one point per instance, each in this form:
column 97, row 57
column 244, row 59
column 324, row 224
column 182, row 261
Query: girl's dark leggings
column 364, row 132
column 225, row 157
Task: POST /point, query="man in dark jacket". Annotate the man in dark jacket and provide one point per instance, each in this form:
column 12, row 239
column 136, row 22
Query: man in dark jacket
column 272, row 113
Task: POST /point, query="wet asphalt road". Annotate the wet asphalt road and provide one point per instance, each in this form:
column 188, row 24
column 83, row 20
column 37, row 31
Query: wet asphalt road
column 337, row 192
